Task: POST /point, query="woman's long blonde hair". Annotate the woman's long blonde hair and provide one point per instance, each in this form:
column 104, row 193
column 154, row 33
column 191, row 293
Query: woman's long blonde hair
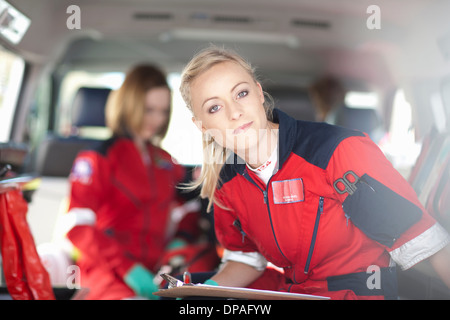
column 214, row 155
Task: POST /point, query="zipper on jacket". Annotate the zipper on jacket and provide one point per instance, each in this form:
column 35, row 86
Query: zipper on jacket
column 313, row 240
column 266, row 202
column 147, row 217
column 347, row 217
column 238, row 225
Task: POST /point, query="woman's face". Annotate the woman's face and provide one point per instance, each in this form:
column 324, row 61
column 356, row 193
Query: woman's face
column 157, row 104
column 228, row 104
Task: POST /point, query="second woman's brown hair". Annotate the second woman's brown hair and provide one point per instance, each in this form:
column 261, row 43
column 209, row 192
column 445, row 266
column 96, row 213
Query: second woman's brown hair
column 125, row 107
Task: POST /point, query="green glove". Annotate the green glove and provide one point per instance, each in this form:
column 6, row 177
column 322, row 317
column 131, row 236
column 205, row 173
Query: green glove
column 176, row 243
column 140, row 280
column 211, row 282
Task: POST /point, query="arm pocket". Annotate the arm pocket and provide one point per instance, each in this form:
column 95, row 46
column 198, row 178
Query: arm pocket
column 382, row 214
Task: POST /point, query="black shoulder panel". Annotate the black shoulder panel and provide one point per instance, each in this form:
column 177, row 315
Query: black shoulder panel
column 316, row 141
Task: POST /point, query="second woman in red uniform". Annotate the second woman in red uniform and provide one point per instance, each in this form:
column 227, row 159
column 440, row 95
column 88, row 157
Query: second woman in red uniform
column 122, row 192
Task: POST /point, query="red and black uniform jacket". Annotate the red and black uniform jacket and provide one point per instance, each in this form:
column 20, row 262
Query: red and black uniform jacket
column 120, row 207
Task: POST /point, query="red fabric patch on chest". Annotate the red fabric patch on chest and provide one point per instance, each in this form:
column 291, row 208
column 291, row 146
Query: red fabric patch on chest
column 288, row 191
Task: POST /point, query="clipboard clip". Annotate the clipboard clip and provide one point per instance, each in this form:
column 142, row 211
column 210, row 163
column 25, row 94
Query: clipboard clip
column 174, row 282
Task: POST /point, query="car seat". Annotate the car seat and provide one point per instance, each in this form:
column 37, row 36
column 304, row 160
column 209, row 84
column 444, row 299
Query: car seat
column 56, row 153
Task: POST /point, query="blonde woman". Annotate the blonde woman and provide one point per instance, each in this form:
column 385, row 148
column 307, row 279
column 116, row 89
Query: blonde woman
column 121, row 193
column 277, row 187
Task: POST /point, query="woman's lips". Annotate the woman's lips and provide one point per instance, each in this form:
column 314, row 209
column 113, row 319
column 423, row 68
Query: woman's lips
column 242, row 128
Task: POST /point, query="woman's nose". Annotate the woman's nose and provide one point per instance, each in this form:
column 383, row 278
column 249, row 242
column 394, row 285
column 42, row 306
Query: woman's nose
column 235, row 111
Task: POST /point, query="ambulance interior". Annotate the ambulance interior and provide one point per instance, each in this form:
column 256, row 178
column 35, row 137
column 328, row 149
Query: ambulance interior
column 392, row 57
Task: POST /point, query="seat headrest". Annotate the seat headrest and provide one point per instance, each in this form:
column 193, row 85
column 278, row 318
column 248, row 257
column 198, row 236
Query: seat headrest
column 362, row 119
column 88, row 108
column 294, row 101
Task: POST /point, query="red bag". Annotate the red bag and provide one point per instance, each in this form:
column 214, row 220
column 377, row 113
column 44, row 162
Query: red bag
column 26, row 278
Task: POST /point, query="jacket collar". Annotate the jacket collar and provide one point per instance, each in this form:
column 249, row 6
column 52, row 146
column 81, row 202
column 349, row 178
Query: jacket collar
column 286, row 136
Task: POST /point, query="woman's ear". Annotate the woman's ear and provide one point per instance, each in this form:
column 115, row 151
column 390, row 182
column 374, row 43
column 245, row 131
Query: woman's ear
column 260, row 92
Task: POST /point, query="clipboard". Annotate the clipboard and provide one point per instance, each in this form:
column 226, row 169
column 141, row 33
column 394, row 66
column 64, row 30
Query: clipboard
column 203, row 290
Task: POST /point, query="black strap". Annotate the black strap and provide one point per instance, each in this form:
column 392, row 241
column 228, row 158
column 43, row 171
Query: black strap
column 358, row 283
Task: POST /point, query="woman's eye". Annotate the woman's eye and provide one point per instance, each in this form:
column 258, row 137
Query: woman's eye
column 214, row 108
column 242, row 94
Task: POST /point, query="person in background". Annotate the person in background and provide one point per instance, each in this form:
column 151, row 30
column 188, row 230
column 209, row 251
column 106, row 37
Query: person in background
column 319, row 201
column 122, row 193
column 327, row 95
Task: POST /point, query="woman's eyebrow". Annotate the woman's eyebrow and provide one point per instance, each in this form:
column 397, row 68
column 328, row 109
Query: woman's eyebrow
column 232, row 89
column 204, row 102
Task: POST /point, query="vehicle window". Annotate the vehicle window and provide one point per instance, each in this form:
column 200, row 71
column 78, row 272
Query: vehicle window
column 359, row 99
column 38, row 117
column 11, row 72
column 400, row 145
column 438, row 111
column 183, row 140
column 445, row 91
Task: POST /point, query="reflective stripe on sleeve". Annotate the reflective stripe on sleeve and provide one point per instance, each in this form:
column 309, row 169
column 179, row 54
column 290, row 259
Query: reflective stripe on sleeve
column 77, row 217
column 421, row 247
column 254, row 259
